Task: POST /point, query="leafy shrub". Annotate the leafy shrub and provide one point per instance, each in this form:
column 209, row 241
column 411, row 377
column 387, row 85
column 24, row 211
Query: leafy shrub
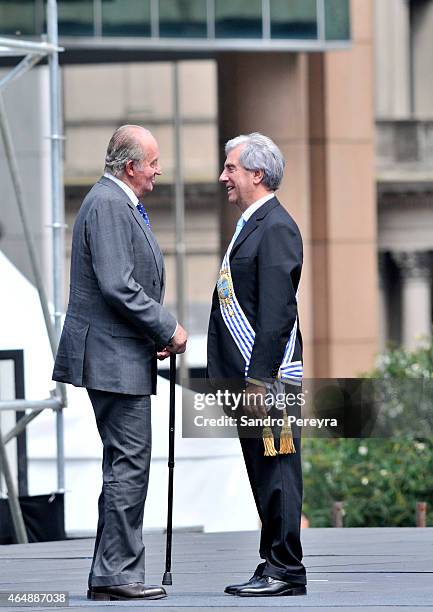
column 378, row 479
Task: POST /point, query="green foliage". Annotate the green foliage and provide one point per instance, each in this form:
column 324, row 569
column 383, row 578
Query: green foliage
column 378, row 479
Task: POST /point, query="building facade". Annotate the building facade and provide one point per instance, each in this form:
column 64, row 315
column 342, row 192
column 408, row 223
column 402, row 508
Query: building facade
column 404, row 168
column 342, row 87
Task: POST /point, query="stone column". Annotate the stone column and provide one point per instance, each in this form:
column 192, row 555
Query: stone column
column 343, row 203
column 416, row 296
column 422, row 54
column 383, row 303
column 392, row 58
column 268, row 93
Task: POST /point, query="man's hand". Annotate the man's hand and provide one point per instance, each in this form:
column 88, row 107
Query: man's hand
column 161, row 355
column 255, row 401
column 178, row 343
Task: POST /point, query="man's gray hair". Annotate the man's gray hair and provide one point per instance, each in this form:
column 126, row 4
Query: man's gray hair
column 123, row 146
column 260, row 153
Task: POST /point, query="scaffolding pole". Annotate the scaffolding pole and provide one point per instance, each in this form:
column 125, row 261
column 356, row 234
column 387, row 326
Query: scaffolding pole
column 14, row 47
column 14, row 505
column 21, row 425
column 24, row 66
column 34, row 52
column 57, row 215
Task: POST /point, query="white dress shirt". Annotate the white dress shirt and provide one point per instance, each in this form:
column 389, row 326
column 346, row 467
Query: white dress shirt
column 248, row 213
column 126, row 188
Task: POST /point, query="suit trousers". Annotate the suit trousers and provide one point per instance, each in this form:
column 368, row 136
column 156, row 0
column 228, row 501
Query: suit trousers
column 124, row 424
column 276, row 483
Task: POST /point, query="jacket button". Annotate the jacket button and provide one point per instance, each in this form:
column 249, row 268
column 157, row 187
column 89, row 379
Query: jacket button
column 154, row 282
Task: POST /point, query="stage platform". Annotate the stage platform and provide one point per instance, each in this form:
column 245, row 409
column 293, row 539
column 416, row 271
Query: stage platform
column 348, row 569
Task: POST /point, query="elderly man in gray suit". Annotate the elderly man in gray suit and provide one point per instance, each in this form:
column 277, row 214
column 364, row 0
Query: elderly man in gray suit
column 114, row 330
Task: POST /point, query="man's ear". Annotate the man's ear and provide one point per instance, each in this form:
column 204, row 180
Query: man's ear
column 129, row 167
column 257, row 176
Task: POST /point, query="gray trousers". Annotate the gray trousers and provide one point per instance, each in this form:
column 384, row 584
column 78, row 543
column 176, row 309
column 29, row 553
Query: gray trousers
column 124, row 424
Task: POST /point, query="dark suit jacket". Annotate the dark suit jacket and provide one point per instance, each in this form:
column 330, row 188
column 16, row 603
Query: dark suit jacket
column 115, row 320
column 265, row 262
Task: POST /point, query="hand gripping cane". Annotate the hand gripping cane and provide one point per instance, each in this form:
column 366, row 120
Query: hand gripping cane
column 167, row 574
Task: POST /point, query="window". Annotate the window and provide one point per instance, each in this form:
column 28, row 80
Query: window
column 126, row 17
column 75, row 17
column 236, row 24
column 293, row 19
column 337, row 19
column 18, row 17
column 182, row 18
column 238, row 18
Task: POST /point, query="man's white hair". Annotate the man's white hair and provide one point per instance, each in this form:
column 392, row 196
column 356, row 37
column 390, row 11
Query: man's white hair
column 260, row 153
column 123, row 147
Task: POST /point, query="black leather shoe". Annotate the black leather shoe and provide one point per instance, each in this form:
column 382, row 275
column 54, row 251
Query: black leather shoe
column 135, row 590
column 271, row 587
column 232, row 588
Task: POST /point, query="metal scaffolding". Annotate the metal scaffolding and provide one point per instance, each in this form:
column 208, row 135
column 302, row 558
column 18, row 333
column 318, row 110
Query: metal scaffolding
column 32, row 53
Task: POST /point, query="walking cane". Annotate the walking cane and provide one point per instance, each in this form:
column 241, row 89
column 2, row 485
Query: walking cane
column 167, row 574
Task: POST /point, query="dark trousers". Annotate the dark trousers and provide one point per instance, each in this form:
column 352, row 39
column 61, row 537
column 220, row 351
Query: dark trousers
column 276, row 483
column 124, row 424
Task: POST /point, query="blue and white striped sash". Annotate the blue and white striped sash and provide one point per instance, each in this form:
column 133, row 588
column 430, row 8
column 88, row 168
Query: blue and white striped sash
column 242, row 332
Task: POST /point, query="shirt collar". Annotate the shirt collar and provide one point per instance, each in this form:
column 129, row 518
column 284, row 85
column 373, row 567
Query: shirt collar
column 131, row 195
column 253, row 207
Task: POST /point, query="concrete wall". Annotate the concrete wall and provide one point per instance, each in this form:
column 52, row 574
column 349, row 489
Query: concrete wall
column 98, row 98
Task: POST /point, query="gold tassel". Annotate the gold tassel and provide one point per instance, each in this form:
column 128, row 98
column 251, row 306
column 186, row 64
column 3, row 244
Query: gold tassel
column 286, row 439
column 268, row 441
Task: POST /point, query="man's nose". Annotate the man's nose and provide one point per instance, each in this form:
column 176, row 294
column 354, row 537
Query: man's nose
column 223, row 177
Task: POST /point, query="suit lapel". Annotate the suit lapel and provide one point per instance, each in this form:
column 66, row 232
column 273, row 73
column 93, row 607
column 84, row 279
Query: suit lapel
column 147, row 232
column 247, row 229
column 149, row 237
column 253, row 223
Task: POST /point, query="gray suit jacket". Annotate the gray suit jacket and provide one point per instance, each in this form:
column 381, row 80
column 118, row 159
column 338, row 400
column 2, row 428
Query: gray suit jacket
column 115, row 321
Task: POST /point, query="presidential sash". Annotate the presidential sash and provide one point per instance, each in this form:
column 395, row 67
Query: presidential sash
column 242, row 332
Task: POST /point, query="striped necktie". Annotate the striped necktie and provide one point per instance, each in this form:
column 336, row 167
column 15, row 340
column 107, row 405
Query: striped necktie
column 143, row 213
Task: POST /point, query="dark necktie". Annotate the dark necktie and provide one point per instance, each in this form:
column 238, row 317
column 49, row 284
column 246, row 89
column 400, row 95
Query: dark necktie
column 143, row 213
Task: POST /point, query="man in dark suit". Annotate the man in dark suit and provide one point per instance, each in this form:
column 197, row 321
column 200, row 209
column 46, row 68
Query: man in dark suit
column 254, row 343
column 115, row 327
